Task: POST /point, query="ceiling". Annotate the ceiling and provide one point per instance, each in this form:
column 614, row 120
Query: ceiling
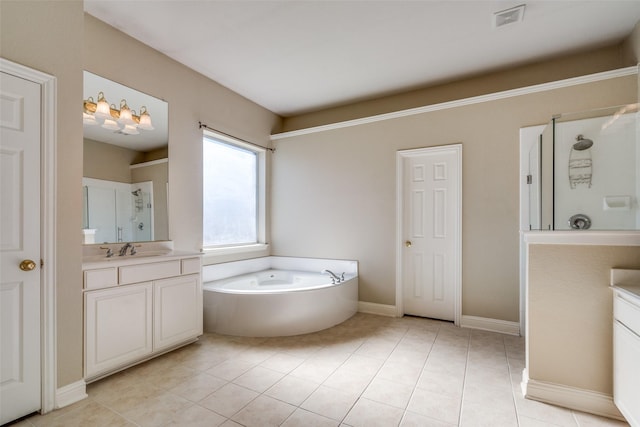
column 294, row 57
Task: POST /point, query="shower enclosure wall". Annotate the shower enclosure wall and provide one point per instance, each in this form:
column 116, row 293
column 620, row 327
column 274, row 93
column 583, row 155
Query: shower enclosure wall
column 118, row 212
column 584, row 172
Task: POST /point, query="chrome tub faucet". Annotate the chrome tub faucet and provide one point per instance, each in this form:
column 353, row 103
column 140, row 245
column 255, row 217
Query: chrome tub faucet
column 334, row 277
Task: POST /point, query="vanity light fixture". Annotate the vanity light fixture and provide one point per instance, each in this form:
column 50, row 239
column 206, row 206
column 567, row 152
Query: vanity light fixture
column 110, row 117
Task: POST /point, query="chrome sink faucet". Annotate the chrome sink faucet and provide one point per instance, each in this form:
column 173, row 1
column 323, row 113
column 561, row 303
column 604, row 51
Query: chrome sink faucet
column 109, row 251
column 123, row 249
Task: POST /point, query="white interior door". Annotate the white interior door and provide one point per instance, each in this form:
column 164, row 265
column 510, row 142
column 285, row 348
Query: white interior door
column 431, row 224
column 20, row 375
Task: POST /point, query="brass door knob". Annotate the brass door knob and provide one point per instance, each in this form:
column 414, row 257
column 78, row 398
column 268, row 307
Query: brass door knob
column 27, row 265
column 408, row 243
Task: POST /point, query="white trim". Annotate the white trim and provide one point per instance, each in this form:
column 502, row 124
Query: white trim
column 150, row 163
column 570, row 397
column 493, row 325
column 48, row 84
column 400, row 155
column 590, row 78
column 211, row 253
column 261, row 181
column 583, row 237
column 379, row 309
column 71, row 393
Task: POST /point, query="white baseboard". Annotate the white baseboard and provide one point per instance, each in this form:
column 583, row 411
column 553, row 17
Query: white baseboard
column 493, row 325
column 579, row 399
column 71, row 393
column 380, row 309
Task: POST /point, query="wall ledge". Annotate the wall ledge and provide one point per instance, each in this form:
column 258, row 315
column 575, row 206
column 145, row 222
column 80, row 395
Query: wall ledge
column 71, row 393
column 492, row 325
column 542, row 87
column 570, row 397
column 583, row 237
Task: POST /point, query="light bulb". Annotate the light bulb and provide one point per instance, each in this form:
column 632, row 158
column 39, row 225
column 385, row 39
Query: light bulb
column 103, row 111
column 126, row 118
column 88, row 119
column 110, row 124
column 130, row 130
column 145, row 119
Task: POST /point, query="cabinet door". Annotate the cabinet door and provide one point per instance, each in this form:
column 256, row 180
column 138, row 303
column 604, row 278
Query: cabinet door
column 118, row 327
column 177, row 306
column 626, row 372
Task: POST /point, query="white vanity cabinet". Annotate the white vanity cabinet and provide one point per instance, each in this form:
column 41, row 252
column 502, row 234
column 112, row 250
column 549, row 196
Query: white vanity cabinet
column 175, row 318
column 134, row 311
column 118, row 327
column 626, row 350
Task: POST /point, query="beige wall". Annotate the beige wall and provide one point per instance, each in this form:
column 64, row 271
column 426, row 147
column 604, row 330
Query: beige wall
column 192, row 98
column 107, row 161
column 160, row 153
column 56, row 37
column 567, row 66
column 631, row 46
column 47, row 36
column 334, row 192
column 112, row 163
column 570, row 314
column 159, row 175
column 342, row 205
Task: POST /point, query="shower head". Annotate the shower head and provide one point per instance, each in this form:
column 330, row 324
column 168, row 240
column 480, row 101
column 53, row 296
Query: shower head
column 137, row 192
column 582, row 144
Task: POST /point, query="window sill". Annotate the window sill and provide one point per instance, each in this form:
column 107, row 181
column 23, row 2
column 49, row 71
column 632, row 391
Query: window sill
column 230, row 250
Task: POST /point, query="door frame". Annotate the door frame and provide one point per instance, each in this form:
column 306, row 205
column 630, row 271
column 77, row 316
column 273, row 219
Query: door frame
column 401, row 155
column 48, row 85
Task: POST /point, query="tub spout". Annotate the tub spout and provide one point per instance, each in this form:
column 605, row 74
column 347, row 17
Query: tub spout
column 334, row 277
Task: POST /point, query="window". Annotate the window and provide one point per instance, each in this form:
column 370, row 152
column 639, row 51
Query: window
column 233, row 192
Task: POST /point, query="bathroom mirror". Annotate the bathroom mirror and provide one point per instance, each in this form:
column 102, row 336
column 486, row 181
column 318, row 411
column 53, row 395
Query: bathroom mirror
column 125, row 164
column 588, row 171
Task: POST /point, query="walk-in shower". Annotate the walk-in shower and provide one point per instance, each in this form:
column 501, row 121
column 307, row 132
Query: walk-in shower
column 585, row 171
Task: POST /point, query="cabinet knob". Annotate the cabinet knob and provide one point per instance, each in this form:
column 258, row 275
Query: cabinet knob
column 408, row 243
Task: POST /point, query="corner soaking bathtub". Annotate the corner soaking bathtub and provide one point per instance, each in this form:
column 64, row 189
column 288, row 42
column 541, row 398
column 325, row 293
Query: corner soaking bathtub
column 276, row 302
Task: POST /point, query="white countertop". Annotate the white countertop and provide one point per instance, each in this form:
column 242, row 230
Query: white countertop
column 627, row 281
column 631, row 290
column 139, row 258
column 148, row 252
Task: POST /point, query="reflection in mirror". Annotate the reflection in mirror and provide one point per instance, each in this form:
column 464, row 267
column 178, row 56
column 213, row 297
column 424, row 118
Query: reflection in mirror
column 589, row 171
column 125, row 170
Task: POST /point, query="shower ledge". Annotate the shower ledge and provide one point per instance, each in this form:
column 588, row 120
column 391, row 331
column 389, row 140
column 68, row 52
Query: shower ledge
column 583, row 237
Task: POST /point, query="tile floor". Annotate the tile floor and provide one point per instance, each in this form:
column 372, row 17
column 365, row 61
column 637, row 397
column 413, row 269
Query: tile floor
column 368, row 371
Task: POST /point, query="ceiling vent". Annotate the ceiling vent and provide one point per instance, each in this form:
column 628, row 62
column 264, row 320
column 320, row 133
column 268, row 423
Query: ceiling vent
column 508, row 16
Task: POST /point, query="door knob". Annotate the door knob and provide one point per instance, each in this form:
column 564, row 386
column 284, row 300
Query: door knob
column 27, row 265
column 408, row 243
